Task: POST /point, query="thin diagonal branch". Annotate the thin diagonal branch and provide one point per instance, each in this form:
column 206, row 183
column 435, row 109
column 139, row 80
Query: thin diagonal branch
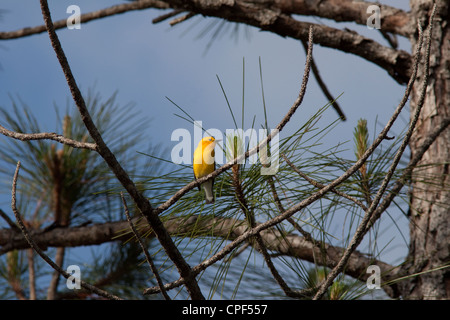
column 324, row 87
column 144, row 249
column 38, row 250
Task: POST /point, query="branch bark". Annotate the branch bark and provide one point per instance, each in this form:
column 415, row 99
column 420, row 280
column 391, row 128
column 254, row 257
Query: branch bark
column 393, row 20
column 271, row 18
column 91, row 16
column 227, row 228
column 47, row 136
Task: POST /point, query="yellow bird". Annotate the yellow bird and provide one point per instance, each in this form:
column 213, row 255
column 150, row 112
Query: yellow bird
column 204, row 164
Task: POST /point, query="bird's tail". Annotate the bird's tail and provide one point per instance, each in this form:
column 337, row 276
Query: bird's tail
column 209, row 193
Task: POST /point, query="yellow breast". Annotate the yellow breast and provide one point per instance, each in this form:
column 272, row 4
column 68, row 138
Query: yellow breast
column 204, row 161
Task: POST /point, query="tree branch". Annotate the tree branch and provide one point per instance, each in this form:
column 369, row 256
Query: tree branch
column 142, row 202
column 324, row 87
column 227, row 228
column 144, row 249
column 274, row 16
column 284, row 244
column 362, row 228
column 99, row 14
column 393, row 20
column 269, row 17
column 47, row 136
column 36, row 248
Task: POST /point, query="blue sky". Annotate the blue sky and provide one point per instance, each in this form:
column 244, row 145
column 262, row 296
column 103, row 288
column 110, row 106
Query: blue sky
column 145, row 63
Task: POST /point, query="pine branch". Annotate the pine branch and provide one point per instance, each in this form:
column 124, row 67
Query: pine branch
column 38, row 250
column 362, row 228
column 91, row 16
column 250, row 215
column 144, row 249
column 142, row 202
column 320, row 185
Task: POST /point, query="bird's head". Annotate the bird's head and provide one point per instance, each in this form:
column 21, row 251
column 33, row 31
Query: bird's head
column 208, row 141
column 207, row 145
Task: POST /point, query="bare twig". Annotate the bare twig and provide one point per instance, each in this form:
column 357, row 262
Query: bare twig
column 166, row 16
column 302, row 92
column 38, row 250
column 47, row 136
column 324, row 87
column 182, row 19
column 99, row 14
column 144, row 249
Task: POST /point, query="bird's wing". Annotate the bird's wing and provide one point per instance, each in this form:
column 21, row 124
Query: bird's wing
column 198, row 186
